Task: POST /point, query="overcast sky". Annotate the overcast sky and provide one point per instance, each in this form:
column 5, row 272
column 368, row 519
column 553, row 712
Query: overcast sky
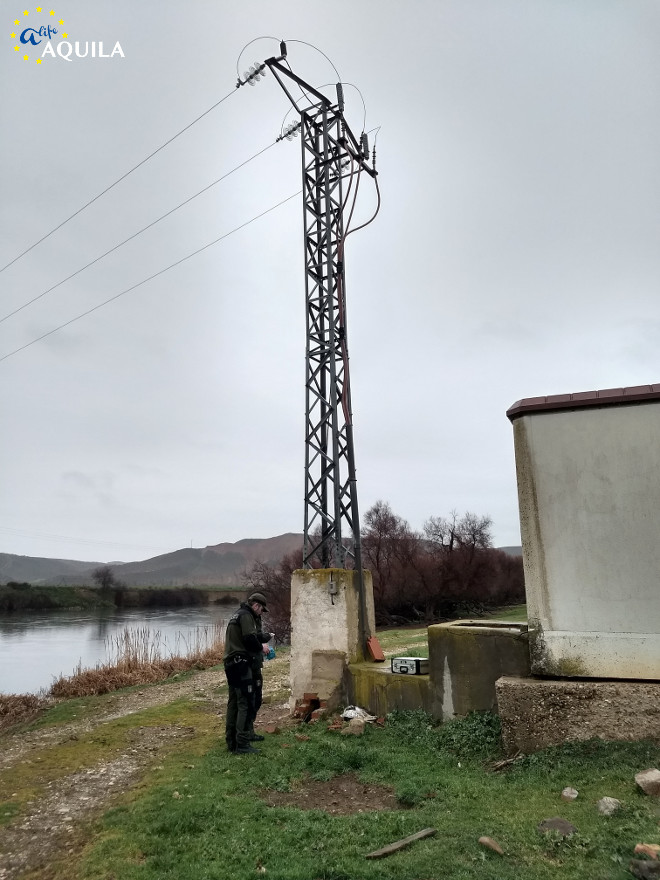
column 515, row 254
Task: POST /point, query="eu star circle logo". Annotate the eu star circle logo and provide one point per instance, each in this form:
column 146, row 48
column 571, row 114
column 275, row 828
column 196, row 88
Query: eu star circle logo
column 32, row 29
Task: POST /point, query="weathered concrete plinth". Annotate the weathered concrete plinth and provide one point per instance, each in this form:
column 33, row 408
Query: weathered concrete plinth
column 374, row 687
column 325, row 632
column 536, row 713
column 466, row 657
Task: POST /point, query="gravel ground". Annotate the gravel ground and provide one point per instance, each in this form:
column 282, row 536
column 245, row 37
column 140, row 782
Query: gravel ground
column 54, row 824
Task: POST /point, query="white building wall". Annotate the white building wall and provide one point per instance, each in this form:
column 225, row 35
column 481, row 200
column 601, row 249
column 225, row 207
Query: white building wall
column 589, row 495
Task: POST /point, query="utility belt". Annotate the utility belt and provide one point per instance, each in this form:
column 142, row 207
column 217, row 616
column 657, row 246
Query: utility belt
column 238, row 670
column 236, row 659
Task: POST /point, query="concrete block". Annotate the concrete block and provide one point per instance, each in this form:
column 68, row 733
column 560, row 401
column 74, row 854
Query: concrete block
column 466, row 657
column 373, row 687
column 536, row 713
column 325, row 633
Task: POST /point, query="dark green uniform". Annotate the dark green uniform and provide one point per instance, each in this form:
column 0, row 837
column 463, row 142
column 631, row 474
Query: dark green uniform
column 257, row 677
column 243, row 649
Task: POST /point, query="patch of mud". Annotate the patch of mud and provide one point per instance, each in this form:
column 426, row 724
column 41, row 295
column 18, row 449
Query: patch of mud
column 340, row 796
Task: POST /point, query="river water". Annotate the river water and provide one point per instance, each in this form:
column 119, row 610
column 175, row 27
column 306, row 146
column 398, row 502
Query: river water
column 37, row 647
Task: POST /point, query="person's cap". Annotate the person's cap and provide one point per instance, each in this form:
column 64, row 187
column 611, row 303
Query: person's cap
column 260, row 598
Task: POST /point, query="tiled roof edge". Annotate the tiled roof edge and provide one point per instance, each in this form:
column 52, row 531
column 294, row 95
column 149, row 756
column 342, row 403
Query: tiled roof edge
column 581, row 399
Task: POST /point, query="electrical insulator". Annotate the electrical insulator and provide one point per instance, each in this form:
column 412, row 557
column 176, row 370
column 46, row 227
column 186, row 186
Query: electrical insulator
column 291, row 131
column 364, row 142
column 340, row 97
column 254, row 74
column 283, row 49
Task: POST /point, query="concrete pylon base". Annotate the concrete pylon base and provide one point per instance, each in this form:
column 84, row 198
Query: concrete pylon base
column 325, row 634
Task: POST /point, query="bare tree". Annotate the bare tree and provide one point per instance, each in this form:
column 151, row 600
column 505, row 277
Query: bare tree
column 275, row 582
column 104, row 577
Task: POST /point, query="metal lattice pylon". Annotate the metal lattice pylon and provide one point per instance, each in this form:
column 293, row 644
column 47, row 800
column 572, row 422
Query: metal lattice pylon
column 331, row 512
column 331, row 159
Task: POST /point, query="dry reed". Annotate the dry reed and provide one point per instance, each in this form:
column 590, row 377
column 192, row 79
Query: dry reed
column 15, row 708
column 140, row 656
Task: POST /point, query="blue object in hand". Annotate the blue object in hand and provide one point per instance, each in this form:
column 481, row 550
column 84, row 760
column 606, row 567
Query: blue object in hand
column 271, row 653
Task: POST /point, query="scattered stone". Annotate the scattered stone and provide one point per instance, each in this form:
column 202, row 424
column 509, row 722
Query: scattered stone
column 607, row 806
column 649, row 781
column 176, row 795
column 286, row 745
column 644, row 870
column 561, row 826
column 271, row 728
column 337, row 724
column 648, row 849
column 569, row 794
column 355, row 727
column 489, row 843
column 301, row 737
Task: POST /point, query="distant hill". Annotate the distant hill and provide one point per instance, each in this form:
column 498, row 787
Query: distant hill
column 214, row 565
column 218, row 564
column 32, row 569
column 512, row 551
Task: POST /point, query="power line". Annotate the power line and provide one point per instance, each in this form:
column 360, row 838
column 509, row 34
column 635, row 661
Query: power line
column 150, row 278
column 20, row 533
column 135, row 235
column 119, row 180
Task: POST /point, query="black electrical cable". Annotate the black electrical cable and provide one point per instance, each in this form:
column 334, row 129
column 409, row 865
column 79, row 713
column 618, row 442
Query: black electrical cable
column 345, row 402
column 150, row 278
column 119, row 180
column 135, row 234
column 22, row 533
column 256, row 40
column 312, row 46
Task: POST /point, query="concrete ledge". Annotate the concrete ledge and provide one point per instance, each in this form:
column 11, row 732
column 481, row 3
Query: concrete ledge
column 375, row 688
column 536, row 713
column 466, row 657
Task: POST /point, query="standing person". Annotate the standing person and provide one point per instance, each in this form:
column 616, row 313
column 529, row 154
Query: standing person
column 245, row 643
column 258, row 674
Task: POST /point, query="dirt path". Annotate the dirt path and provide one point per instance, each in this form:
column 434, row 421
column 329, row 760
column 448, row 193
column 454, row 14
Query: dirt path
column 54, row 824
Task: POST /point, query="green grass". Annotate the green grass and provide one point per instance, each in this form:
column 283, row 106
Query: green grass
column 218, row 827
column 29, row 778
column 514, row 613
column 413, row 641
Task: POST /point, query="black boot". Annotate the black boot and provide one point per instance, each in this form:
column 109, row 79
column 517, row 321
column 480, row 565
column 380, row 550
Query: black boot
column 246, row 750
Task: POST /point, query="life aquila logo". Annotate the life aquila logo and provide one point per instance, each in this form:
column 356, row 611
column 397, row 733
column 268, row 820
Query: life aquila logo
column 43, row 35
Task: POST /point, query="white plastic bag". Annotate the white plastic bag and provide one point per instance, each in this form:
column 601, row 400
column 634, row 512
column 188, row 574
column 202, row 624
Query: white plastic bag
column 356, row 712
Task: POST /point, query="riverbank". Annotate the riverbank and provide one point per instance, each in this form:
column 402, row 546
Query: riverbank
column 59, row 773
column 16, row 597
column 138, row 785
